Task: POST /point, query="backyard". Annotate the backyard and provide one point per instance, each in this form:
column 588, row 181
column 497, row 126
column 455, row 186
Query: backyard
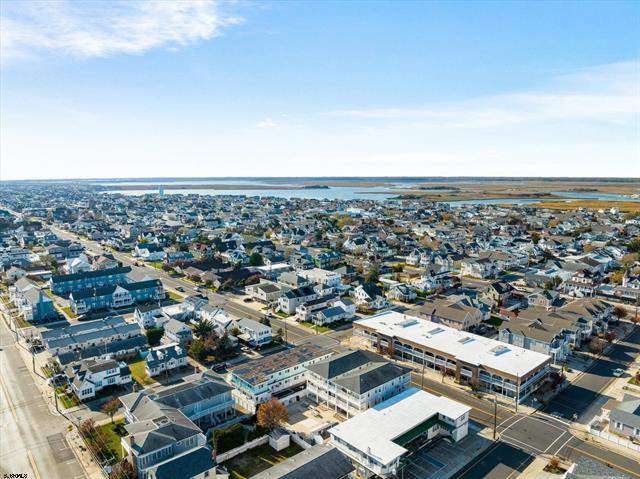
column 323, row 329
column 174, row 296
column 258, row 459
column 112, row 432
column 139, row 374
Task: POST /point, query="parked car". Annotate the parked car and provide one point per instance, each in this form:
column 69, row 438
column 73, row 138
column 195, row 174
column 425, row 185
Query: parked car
column 618, row 372
column 247, row 300
column 180, row 288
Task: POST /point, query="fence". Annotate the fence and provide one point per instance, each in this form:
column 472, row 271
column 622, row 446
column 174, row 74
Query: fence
column 299, row 441
column 240, row 449
column 621, row 441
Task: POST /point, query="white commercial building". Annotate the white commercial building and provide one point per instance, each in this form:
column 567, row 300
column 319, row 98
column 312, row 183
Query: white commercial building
column 505, row 369
column 377, row 440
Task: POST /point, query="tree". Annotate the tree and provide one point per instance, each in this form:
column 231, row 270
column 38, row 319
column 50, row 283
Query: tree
column 596, row 346
column 197, row 350
column 256, row 259
column 87, row 428
column 634, row 245
column 122, row 470
column 610, row 336
column 279, row 334
column 535, row 237
column 111, row 407
column 373, row 275
column 154, row 335
column 272, row 414
column 619, row 312
column 203, row 328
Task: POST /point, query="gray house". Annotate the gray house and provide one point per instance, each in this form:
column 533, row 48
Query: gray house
column 624, row 416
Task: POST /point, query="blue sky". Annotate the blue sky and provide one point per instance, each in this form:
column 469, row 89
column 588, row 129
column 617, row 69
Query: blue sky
column 319, row 88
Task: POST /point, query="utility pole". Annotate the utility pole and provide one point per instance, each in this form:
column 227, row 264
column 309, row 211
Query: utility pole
column 286, row 339
column 517, row 391
column 422, row 373
column 495, row 415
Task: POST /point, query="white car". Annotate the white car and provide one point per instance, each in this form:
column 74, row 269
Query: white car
column 618, row 372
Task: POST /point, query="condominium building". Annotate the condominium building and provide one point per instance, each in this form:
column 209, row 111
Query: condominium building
column 507, row 370
column 281, row 375
column 353, row 381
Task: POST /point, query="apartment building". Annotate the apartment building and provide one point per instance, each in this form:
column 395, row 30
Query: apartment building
column 115, row 296
column 61, row 284
column 281, row 375
column 353, row 381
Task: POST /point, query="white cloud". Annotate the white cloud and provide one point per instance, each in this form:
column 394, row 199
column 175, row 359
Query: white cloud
column 267, row 123
column 106, row 28
column 606, row 93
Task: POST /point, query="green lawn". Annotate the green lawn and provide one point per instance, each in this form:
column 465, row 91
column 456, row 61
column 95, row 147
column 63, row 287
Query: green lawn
column 66, row 400
column 174, row 296
column 257, row 460
column 139, row 374
column 320, row 329
column 324, row 329
column 21, row 322
column 68, row 312
column 634, row 381
column 113, row 433
column 156, row 264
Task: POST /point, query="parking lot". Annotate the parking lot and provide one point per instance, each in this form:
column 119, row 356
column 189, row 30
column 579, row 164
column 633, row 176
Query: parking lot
column 441, row 459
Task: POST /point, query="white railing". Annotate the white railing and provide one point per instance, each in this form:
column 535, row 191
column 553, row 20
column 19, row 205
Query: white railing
column 621, row 441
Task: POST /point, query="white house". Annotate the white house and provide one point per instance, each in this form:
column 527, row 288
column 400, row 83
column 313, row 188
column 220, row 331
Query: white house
column 254, row 333
column 370, row 296
column 165, row 358
column 89, row 376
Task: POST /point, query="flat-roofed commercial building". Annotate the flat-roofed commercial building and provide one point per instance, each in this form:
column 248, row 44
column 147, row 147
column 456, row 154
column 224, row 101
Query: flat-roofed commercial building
column 505, row 369
column 378, row 439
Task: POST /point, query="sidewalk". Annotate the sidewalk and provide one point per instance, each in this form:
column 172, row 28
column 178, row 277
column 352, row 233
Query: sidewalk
column 91, row 469
column 535, row 470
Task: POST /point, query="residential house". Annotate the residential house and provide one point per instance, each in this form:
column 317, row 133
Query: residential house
column 254, row 333
column 90, row 376
column 623, row 416
column 370, row 296
column 290, row 300
column 165, row 358
column 177, row 332
column 402, row 292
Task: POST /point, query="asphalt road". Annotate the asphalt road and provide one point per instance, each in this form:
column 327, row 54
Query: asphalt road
column 522, row 437
column 32, row 439
column 295, row 334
